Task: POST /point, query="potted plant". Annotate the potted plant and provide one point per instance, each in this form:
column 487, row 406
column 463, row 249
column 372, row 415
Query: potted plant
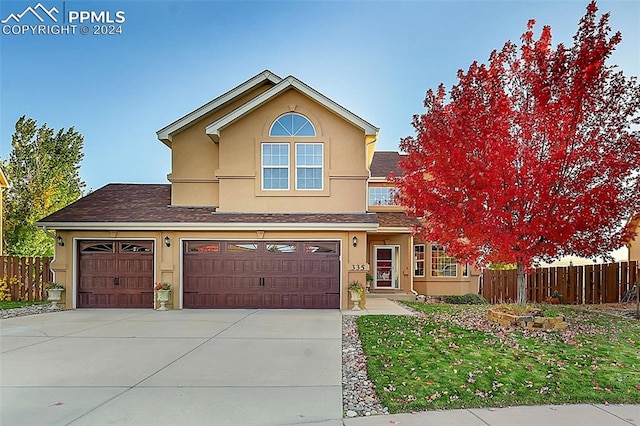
column 554, row 299
column 163, row 290
column 356, row 291
column 369, row 281
column 55, row 293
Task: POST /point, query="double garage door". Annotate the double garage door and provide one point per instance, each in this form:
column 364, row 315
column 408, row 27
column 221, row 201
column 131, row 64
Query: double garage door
column 216, row 274
column 262, row 274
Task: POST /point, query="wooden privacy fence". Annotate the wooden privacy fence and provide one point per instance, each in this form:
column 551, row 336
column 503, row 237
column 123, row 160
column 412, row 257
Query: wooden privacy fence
column 590, row 284
column 24, row 278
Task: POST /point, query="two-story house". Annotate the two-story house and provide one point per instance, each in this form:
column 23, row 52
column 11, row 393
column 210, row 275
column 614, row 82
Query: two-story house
column 276, row 199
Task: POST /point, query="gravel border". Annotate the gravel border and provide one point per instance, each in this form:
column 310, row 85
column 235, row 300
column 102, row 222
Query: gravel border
column 28, row 310
column 359, row 396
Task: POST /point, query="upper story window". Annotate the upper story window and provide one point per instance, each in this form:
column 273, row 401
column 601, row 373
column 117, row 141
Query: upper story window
column 309, row 165
column 292, row 124
column 275, row 166
column 382, row 196
column 441, row 264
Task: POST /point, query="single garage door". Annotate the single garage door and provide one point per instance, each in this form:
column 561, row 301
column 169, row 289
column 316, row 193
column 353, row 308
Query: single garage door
column 115, row 274
column 263, row 274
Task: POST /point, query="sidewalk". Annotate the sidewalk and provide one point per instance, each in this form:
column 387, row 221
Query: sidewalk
column 551, row 415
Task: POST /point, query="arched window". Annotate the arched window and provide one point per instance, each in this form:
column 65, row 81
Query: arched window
column 292, row 124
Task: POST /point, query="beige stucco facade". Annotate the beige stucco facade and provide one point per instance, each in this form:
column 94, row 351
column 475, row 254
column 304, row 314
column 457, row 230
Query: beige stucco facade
column 167, row 262
column 227, row 175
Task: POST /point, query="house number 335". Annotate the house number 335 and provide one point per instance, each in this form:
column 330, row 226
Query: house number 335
column 358, row 267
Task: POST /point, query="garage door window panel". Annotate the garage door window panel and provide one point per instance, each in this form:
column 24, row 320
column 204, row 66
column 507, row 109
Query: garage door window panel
column 97, row 248
column 321, row 248
column 241, row 248
column 282, row 248
column 203, row 247
column 134, row 248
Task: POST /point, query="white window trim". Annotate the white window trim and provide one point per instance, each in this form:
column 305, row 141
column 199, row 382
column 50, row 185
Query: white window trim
column 292, row 136
column 321, row 167
column 263, row 167
column 431, row 268
column 391, row 197
column 424, row 260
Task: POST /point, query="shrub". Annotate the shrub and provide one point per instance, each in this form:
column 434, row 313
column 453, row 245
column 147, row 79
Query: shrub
column 5, row 287
column 466, row 299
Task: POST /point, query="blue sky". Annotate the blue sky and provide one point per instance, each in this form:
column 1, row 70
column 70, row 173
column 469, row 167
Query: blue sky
column 376, row 58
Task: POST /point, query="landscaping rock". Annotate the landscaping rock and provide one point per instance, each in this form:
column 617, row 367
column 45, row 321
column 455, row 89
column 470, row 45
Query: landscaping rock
column 28, row 310
column 359, row 397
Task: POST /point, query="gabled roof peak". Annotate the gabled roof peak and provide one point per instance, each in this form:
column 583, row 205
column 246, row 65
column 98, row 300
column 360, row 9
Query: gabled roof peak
column 213, row 129
column 166, row 133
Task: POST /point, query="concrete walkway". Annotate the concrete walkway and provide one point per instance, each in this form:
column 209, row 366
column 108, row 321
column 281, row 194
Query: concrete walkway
column 379, row 306
column 189, row 367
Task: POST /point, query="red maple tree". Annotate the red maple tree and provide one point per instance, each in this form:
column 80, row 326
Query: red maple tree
column 532, row 156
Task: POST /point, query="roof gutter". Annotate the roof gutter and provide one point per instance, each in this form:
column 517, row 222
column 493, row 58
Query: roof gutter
column 180, row 226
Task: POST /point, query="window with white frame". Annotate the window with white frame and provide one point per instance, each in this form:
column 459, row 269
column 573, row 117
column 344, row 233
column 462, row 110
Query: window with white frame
column 418, row 260
column 275, row 166
column 465, row 270
column 309, row 165
column 292, row 124
column 382, row 196
column 441, row 264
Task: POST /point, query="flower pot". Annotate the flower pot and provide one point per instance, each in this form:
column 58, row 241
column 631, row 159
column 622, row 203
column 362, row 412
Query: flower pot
column 355, row 298
column 163, row 298
column 552, row 300
column 55, row 294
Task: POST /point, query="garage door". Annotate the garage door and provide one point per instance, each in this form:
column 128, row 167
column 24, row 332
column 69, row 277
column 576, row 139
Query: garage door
column 264, row 274
column 115, row 274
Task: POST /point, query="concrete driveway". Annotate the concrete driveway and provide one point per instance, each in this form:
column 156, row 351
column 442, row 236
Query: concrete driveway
column 237, row 367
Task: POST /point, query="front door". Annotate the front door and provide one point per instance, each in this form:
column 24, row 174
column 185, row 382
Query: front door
column 386, row 266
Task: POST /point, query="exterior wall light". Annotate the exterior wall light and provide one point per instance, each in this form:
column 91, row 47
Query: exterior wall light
column 167, row 241
column 354, row 240
column 60, row 241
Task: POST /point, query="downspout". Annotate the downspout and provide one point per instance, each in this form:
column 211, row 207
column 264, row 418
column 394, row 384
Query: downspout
column 415, row 293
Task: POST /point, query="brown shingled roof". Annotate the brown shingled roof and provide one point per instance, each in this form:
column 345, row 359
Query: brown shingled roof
column 385, row 162
column 395, row 220
column 150, row 203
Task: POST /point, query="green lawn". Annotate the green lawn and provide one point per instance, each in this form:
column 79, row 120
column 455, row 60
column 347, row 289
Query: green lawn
column 454, row 358
column 11, row 305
